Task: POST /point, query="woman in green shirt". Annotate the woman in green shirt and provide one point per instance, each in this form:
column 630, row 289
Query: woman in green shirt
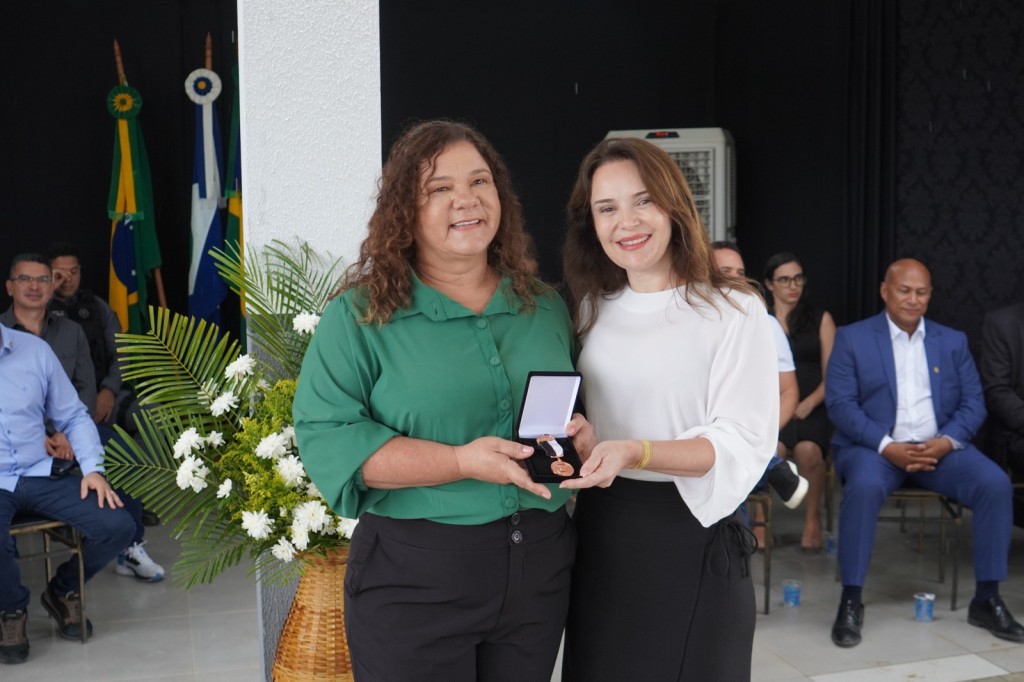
column 405, row 417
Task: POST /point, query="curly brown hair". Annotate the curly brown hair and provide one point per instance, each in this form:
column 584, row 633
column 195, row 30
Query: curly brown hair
column 588, row 270
column 381, row 274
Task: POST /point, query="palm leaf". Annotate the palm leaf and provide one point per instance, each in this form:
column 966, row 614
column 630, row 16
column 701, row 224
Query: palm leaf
column 146, row 469
column 277, row 283
column 205, row 557
column 174, row 362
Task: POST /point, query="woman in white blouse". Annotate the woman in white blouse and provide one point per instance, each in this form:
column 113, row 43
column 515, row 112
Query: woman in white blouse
column 681, row 388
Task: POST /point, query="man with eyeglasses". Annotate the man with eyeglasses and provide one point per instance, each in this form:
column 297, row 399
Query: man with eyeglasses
column 35, row 391
column 31, row 287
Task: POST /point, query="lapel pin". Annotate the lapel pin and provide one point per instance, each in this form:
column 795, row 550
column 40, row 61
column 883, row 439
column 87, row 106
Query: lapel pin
column 935, row 369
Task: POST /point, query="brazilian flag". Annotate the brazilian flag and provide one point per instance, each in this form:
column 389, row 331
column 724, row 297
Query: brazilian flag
column 134, row 249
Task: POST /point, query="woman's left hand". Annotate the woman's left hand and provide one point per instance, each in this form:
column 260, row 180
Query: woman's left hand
column 605, row 462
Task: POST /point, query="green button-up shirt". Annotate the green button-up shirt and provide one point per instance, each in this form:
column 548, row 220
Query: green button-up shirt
column 436, row 371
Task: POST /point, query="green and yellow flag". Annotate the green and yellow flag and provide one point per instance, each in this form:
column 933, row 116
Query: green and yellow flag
column 134, row 249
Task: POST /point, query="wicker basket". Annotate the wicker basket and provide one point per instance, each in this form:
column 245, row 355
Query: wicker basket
column 312, row 647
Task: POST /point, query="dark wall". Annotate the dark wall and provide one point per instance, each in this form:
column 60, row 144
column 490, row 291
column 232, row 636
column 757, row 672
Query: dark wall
column 781, row 83
column 546, row 83
column 960, row 153
column 57, row 136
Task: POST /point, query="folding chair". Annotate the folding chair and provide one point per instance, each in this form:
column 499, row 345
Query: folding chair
column 65, row 535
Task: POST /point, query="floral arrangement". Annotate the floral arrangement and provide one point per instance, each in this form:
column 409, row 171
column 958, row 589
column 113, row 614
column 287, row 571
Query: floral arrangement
column 215, row 449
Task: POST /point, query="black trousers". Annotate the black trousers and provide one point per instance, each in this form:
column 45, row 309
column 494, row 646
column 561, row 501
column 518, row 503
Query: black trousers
column 430, row 601
column 655, row 595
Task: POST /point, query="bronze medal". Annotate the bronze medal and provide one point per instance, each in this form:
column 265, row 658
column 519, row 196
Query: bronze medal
column 560, row 467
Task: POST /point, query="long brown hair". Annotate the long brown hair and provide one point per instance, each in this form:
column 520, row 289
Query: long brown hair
column 588, row 270
column 381, row 273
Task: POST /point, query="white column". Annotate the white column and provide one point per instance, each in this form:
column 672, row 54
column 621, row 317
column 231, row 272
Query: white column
column 311, row 138
column 310, row 100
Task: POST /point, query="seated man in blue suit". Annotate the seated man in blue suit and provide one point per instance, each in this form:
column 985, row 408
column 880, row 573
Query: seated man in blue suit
column 906, row 400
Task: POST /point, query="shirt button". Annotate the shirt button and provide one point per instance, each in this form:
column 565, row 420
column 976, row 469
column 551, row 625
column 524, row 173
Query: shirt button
column 511, row 502
column 481, row 324
column 517, row 536
column 514, row 519
column 495, row 361
column 505, row 404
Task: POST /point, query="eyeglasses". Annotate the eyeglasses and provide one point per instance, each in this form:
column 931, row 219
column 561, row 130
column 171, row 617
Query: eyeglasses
column 25, row 279
column 797, row 280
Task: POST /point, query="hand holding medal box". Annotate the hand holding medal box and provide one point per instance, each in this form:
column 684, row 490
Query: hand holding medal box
column 548, row 404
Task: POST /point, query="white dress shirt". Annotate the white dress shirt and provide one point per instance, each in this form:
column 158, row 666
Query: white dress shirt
column 915, row 413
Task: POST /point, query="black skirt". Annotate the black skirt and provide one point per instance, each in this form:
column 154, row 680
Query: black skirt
column 655, row 595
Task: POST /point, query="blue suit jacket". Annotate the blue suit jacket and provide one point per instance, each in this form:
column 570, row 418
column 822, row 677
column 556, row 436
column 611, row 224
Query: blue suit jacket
column 860, row 384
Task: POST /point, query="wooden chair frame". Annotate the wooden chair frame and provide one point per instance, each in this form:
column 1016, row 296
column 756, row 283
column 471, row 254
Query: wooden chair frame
column 65, row 535
column 763, row 500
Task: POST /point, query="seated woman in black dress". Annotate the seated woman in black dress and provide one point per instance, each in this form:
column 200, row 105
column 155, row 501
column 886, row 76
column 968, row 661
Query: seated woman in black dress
column 811, row 332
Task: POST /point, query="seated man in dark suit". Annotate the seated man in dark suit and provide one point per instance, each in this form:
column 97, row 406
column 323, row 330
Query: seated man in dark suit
column 1002, row 375
column 905, row 397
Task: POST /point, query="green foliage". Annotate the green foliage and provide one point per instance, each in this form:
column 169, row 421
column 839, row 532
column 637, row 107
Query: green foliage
column 215, row 452
column 279, row 282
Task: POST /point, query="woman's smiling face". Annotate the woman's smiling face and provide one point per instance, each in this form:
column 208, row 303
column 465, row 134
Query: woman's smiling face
column 459, row 210
column 634, row 232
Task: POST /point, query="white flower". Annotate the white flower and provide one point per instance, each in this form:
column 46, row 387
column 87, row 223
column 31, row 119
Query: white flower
column 283, row 550
column 224, row 402
column 257, row 524
column 215, row 439
column 347, row 526
column 291, row 471
column 305, row 323
column 310, row 515
column 192, row 474
column 289, row 433
column 273, row 446
column 313, row 491
column 224, row 490
column 300, row 538
column 187, row 442
column 240, row 368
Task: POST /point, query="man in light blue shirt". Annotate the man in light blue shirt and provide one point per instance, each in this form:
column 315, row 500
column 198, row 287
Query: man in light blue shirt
column 33, row 386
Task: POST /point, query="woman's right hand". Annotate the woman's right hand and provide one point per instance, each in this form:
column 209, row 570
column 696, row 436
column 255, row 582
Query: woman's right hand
column 583, row 438
column 497, row 460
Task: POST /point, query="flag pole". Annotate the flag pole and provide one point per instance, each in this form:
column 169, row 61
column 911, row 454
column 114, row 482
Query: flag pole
column 122, row 79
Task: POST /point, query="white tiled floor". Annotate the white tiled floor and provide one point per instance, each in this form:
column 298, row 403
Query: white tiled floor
column 159, row 632
column 793, row 644
column 148, row 631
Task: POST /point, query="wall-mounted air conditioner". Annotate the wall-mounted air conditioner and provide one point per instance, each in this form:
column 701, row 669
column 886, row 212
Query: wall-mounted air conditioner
column 707, row 158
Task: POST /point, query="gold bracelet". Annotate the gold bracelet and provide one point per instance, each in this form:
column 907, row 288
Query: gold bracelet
column 646, row 458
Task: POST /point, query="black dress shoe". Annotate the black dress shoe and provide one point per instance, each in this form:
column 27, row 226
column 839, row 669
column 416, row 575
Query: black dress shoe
column 993, row 615
column 149, row 518
column 846, row 629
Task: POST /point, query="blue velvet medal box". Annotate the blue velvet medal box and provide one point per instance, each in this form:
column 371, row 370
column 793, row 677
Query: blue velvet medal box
column 548, row 404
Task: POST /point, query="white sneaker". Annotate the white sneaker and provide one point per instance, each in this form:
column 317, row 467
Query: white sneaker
column 134, row 561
